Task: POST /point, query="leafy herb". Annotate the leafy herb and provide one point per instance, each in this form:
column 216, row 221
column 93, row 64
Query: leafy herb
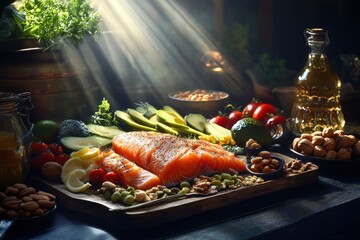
column 56, row 22
column 104, row 116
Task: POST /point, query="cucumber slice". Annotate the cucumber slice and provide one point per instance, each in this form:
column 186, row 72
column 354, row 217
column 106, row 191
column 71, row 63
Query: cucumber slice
column 196, row 121
column 104, row 131
column 78, row 143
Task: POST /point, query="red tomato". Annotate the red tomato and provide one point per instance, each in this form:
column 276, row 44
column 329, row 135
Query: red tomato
column 38, row 147
column 250, row 108
column 221, row 121
column 96, row 176
column 111, row 177
column 275, row 120
column 263, row 112
column 235, row 116
column 44, row 157
column 56, row 149
column 62, row 158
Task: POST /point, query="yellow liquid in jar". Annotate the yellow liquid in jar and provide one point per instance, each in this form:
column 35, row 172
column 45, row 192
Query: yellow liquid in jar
column 11, row 160
column 317, row 102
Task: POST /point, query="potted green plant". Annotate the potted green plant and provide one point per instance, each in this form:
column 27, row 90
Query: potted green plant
column 40, row 52
column 53, row 23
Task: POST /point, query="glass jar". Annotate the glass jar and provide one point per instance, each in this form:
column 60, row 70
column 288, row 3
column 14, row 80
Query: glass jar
column 317, row 100
column 15, row 138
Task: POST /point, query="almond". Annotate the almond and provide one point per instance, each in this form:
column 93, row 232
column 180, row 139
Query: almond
column 49, row 195
column 30, row 206
column 12, row 204
column 46, row 204
column 27, row 192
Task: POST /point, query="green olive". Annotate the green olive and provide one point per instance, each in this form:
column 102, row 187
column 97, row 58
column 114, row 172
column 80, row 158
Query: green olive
column 217, row 177
column 184, row 184
column 226, row 176
column 107, row 195
column 123, row 195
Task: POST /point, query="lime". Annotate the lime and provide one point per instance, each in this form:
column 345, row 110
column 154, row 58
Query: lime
column 46, row 130
column 247, row 128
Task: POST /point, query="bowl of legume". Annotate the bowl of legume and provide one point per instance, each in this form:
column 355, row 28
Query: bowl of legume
column 206, row 102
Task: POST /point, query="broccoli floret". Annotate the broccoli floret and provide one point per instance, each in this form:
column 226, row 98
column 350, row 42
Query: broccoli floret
column 74, row 128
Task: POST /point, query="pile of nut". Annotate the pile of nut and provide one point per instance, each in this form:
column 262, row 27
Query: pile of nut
column 329, row 143
column 22, row 201
column 264, row 163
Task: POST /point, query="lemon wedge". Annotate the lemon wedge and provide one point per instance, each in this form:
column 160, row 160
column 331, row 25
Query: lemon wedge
column 71, row 165
column 75, row 181
column 80, row 153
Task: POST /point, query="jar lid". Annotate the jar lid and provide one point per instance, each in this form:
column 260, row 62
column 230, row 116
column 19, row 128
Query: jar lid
column 316, row 35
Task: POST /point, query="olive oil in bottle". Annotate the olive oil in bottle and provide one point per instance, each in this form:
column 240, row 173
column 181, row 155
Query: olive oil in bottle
column 317, row 101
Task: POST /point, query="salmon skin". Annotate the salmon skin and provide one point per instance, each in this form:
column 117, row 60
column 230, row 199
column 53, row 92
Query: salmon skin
column 129, row 173
column 174, row 159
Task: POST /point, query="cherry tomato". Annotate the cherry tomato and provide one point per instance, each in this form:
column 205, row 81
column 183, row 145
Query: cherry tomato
column 275, row 120
column 62, row 158
column 235, row 116
column 38, row 147
column 111, row 177
column 250, row 108
column 43, row 158
column 263, row 112
column 96, row 176
column 221, row 121
column 56, row 149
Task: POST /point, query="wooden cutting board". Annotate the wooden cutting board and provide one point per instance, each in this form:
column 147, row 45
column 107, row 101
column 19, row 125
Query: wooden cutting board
column 93, row 203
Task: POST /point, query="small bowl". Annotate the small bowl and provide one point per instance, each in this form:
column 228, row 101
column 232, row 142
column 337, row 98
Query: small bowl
column 205, row 107
column 267, row 176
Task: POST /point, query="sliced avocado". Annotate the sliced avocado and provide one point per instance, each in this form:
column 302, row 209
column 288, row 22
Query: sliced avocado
column 217, row 130
column 126, row 121
column 160, row 127
column 153, row 118
column 104, row 131
column 196, row 121
column 170, row 120
column 146, row 109
column 174, row 112
column 189, row 131
column 139, row 118
column 77, row 143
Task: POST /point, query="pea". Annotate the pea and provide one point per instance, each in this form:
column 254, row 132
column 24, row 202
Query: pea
column 217, row 177
column 175, row 190
column 185, row 189
column 168, row 191
column 160, row 193
column 129, row 200
column 123, row 195
column 185, row 184
column 226, row 176
column 228, row 182
column 234, row 177
column 107, row 195
column 116, row 197
column 131, row 190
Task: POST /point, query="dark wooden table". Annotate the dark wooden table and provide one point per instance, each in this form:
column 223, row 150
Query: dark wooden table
column 326, row 209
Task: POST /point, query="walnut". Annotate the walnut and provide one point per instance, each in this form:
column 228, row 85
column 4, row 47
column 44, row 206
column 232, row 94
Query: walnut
column 338, row 133
column 295, row 144
column 328, row 132
column 356, row 148
column 343, row 154
column 319, row 151
column 317, row 140
column 329, row 144
column 352, row 140
column 305, row 147
column 332, row 154
column 342, row 141
column 51, row 170
column 307, row 136
column 317, row 133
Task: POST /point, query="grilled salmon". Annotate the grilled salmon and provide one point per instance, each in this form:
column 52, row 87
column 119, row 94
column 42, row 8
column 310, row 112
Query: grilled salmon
column 174, row 159
column 129, row 173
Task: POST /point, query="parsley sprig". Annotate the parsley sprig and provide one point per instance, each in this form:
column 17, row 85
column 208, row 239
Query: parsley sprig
column 56, row 22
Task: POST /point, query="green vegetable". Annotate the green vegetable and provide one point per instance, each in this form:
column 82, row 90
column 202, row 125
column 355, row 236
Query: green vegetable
column 56, row 22
column 77, row 143
column 73, row 128
column 104, row 116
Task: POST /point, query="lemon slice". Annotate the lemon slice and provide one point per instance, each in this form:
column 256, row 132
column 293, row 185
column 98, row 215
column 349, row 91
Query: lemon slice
column 75, row 181
column 71, row 165
column 91, row 153
column 80, row 152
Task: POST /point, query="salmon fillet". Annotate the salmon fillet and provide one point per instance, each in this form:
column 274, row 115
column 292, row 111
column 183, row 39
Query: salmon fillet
column 174, row 159
column 129, row 173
